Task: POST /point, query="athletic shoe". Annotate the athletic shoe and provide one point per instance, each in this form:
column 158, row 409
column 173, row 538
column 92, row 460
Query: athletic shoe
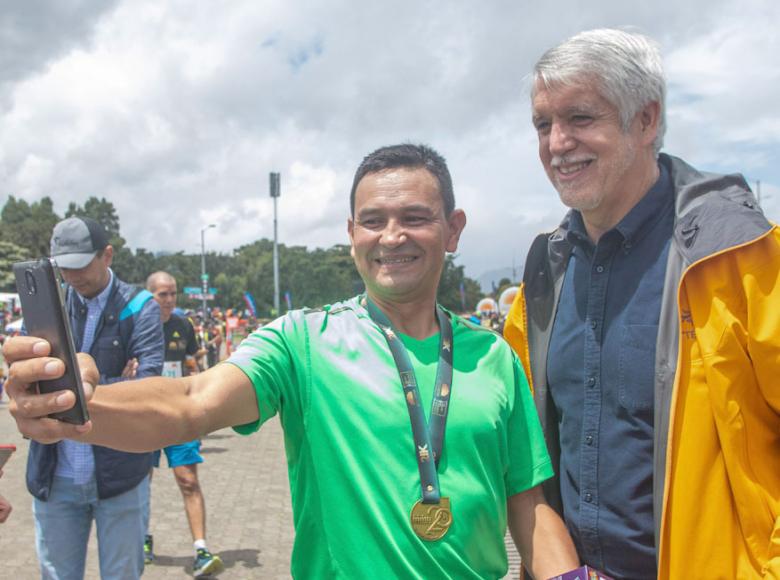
column 148, row 549
column 206, row 564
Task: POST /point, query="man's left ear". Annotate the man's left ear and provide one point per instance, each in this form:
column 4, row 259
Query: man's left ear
column 649, row 119
column 456, row 222
column 351, row 232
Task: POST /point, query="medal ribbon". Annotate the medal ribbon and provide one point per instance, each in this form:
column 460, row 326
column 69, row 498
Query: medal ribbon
column 428, row 436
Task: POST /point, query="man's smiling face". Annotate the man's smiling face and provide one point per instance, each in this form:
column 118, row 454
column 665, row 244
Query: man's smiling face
column 589, row 157
column 400, row 234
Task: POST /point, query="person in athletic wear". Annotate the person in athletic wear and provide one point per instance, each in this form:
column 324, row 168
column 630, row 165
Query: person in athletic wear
column 181, row 350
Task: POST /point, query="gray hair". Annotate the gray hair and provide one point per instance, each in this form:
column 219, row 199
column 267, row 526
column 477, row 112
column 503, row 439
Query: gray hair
column 627, row 66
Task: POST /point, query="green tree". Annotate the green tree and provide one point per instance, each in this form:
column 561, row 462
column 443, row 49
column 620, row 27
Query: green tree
column 184, row 267
column 101, row 210
column 449, row 294
column 143, row 263
column 317, row 277
column 28, row 226
column 9, row 253
column 312, row 277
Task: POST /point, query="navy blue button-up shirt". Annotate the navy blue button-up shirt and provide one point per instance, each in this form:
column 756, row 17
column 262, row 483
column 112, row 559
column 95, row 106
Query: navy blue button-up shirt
column 600, row 371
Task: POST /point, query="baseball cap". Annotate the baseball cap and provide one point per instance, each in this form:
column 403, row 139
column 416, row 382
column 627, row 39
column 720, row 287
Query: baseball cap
column 76, row 240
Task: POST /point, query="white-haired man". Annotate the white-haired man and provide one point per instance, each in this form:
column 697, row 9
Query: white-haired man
column 648, row 321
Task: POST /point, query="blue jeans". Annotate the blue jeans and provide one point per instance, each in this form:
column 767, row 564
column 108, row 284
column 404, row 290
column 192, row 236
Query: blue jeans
column 63, row 523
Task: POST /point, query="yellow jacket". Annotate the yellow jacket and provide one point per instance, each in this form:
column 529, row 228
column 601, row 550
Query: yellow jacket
column 717, row 415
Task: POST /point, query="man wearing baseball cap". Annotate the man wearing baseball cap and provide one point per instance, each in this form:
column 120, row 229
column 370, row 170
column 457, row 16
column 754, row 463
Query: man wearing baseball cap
column 74, row 483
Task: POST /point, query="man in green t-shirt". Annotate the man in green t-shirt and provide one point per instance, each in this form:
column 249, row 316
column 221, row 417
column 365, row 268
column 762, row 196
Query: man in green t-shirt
column 411, row 436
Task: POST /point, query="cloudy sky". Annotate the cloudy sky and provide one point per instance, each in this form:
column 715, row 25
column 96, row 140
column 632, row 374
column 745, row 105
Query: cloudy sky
column 177, row 111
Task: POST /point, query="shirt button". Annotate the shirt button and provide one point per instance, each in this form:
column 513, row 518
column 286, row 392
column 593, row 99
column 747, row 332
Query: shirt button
column 593, row 324
column 589, row 439
column 588, row 497
column 591, row 381
column 599, row 268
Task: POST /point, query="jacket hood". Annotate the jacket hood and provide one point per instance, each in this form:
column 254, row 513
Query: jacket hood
column 713, row 212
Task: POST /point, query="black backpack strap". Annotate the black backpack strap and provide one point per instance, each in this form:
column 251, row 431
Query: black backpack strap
column 537, row 276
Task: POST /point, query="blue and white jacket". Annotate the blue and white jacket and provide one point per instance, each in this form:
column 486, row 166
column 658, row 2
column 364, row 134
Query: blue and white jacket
column 130, row 327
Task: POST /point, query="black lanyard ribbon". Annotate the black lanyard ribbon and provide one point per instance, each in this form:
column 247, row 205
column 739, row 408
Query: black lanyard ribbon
column 428, row 436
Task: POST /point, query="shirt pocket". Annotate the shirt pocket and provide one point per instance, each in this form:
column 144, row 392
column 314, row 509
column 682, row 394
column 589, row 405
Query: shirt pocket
column 636, row 366
column 109, row 356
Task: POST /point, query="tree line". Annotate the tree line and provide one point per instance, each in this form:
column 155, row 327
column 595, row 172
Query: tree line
column 312, row 277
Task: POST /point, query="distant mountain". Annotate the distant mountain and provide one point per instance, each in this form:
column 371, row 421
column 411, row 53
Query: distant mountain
column 491, row 277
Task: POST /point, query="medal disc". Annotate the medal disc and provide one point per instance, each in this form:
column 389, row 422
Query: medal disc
column 431, row 521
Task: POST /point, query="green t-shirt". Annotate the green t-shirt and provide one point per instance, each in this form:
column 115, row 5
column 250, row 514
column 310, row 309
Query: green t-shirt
column 353, row 474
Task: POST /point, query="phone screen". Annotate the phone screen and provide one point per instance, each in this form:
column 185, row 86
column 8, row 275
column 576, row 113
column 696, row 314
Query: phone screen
column 39, row 285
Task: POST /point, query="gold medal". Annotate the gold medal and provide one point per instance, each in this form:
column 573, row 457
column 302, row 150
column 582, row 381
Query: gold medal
column 431, row 521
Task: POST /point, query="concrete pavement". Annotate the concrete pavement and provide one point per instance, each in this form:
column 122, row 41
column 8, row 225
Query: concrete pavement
column 249, row 515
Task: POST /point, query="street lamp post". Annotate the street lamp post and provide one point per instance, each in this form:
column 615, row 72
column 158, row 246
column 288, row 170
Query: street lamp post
column 204, row 278
column 275, row 187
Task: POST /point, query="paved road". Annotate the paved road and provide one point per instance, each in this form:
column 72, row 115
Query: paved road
column 247, row 500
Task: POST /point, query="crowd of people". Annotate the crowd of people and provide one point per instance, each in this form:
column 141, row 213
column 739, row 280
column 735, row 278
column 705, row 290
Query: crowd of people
column 628, row 422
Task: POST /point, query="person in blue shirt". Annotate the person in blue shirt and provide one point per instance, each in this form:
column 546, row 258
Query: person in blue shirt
column 75, row 483
column 651, row 272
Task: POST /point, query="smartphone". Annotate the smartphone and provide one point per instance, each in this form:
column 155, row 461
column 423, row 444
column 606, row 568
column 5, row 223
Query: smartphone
column 40, row 289
column 5, row 453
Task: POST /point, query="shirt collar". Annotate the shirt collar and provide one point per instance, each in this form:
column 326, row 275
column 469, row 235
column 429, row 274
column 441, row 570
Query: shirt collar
column 649, row 209
column 101, row 298
column 577, row 233
column 637, row 221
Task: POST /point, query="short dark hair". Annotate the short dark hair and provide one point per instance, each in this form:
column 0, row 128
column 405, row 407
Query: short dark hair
column 409, row 156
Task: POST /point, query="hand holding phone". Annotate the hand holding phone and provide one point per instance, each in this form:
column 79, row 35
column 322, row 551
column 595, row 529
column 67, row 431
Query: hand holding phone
column 39, row 285
column 30, row 364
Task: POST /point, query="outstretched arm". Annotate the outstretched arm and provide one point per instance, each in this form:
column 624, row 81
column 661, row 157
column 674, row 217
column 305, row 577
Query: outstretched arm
column 540, row 535
column 156, row 412
column 140, row 416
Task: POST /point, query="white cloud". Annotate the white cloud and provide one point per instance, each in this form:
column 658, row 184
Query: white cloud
column 177, row 111
column 723, row 86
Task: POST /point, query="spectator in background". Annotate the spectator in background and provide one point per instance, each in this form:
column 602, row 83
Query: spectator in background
column 181, row 350
column 75, row 483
